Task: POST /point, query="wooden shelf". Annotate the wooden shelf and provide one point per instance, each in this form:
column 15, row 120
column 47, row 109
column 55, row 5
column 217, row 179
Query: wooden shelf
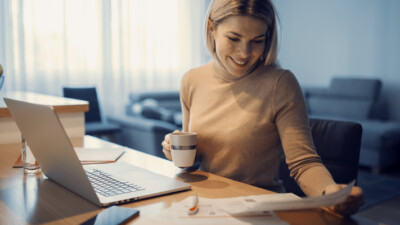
column 71, row 113
column 60, row 104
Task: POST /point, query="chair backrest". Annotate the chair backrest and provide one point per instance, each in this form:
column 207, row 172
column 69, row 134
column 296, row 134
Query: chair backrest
column 338, row 145
column 88, row 94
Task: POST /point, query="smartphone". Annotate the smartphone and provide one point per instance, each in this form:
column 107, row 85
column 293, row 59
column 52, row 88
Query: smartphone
column 113, row 215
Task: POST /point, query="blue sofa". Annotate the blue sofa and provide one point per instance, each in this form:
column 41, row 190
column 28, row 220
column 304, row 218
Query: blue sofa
column 151, row 115
column 148, row 117
column 357, row 99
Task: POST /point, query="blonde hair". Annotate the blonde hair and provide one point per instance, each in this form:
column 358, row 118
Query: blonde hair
column 262, row 9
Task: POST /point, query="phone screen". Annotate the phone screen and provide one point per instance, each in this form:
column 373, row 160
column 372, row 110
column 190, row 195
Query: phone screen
column 113, row 215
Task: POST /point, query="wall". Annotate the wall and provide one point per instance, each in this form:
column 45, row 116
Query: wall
column 322, row 38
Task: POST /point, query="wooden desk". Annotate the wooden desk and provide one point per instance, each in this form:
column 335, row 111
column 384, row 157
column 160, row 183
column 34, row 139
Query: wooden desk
column 31, row 199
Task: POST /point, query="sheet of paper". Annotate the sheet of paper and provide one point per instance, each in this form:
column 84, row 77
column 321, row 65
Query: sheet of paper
column 211, row 213
column 93, row 155
column 273, row 202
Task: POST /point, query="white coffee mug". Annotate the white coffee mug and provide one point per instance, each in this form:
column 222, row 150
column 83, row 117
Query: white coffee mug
column 183, row 148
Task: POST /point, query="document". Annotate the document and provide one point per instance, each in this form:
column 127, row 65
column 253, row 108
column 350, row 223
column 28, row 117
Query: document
column 98, row 155
column 274, row 202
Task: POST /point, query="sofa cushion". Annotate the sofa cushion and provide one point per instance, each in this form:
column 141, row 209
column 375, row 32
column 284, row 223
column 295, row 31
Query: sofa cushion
column 339, row 107
column 151, row 109
column 361, row 88
column 166, row 99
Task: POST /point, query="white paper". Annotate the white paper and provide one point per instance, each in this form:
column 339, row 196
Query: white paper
column 273, row 202
column 98, row 154
column 211, row 213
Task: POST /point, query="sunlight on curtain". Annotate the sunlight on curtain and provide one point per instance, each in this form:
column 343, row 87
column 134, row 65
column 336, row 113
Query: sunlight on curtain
column 118, row 46
column 144, row 46
column 61, row 44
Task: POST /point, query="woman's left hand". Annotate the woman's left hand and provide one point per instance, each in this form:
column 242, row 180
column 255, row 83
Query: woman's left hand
column 352, row 203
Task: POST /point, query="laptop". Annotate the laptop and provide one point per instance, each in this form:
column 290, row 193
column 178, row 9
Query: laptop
column 49, row 143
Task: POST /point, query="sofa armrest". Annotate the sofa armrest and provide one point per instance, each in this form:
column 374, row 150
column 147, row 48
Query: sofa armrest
column 379, row 110
column 141, row 133
column 141, row 123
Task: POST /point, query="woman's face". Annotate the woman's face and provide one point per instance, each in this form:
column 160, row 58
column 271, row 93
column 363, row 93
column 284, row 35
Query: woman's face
column 239, row 43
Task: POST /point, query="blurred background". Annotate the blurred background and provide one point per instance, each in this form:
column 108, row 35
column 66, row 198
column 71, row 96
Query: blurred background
column 123, row 46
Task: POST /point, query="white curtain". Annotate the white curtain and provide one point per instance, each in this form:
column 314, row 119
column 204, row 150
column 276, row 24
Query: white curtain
column 119, row 46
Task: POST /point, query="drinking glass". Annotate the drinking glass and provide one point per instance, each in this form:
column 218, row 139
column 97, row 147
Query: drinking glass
column 29, row 162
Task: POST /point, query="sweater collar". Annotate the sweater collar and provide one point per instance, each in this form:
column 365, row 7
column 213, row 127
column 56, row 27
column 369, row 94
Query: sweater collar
column 222, row 73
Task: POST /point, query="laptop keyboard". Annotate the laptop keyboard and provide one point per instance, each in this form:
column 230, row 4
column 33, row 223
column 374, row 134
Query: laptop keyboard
column 104, row 184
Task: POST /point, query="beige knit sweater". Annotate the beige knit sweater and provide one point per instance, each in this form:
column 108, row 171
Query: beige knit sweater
column 244, row 123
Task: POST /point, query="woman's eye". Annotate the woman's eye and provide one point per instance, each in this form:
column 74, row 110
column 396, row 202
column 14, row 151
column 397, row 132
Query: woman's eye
column 233, row 39
column 258, row 41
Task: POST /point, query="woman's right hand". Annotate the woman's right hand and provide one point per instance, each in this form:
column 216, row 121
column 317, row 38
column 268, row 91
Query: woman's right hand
column 166, row 144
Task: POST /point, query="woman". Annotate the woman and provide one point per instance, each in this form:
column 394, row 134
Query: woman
column 246, row 110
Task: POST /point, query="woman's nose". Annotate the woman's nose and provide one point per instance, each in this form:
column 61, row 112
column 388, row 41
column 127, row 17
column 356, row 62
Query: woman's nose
column 244, row 50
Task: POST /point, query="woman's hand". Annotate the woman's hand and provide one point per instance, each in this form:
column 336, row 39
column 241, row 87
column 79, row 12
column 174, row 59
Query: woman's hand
column 352, row 203
column 167, row 145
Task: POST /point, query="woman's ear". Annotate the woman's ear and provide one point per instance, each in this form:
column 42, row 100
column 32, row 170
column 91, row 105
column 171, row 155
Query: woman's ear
column 211, row 27
column 211, row 30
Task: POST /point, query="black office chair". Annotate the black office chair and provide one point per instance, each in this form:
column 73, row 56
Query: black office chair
column 93, row 122
column 338, row 145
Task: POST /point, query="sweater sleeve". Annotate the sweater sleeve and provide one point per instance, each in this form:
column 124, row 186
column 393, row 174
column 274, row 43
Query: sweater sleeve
column 184, row 96
column 292, row 123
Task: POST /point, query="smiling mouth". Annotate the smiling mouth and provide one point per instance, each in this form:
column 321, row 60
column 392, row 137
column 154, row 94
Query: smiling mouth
column 239, row 62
